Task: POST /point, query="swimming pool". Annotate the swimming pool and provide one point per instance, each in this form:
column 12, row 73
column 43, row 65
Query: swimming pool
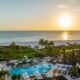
column 41, row 68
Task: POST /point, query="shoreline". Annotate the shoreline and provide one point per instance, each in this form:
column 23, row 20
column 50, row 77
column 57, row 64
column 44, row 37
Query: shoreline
column 36, row 43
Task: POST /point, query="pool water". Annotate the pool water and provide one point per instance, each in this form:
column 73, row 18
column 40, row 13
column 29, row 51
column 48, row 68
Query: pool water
column 40, row 68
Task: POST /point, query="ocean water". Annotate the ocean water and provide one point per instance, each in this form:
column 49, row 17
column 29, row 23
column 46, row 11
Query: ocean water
column 31, row 36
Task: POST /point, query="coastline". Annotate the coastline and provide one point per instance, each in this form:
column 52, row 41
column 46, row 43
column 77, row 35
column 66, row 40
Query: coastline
column 36, row 43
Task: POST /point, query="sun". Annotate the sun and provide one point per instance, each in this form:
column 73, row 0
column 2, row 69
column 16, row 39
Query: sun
column 65, row 21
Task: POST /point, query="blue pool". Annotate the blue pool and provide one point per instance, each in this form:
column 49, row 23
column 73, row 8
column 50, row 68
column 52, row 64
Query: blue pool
column 41, row 68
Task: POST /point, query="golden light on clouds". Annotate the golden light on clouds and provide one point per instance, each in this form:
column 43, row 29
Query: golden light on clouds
column 62, row 6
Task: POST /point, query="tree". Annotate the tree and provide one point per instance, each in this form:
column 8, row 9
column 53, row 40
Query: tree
column 16, row 77
column 51, row 43
column 73, row 58
column 13, row 44
column 41, row 42
column 64, row 55
column 3, row 74
column 50, row 48
column 13, row 49
column 46, row 43
column 74, row 71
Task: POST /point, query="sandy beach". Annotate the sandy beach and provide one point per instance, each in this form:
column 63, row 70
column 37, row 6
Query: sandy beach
column 36, row 43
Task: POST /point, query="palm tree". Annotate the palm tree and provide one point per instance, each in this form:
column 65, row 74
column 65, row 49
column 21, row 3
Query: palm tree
column 51, row 43
column 16, row 77
column 13, row 49
column 74, row 72
column 64, row 55
column 46, row 43
column 3, row 74
column 41, row 42
column 50, row 47
column 73, row 58
column 13, row 44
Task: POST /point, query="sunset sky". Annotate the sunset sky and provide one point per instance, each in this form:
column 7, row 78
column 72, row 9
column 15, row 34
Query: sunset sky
column 38, row 14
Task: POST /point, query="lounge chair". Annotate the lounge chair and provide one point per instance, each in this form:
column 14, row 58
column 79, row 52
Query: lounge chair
column 38, row 76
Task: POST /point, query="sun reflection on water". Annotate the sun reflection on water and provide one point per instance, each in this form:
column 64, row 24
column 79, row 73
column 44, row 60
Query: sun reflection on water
column 65, row 35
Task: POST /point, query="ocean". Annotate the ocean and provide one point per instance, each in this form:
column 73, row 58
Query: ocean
column 35, row 36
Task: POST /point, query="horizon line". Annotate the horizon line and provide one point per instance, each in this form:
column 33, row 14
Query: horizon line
column 43, row 30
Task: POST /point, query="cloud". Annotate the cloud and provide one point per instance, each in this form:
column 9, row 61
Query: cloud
column 77, row 9
column 72, row 1
column 62, row 6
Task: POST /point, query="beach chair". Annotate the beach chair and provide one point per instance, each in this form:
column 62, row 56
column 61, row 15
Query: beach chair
column 38, row 76
column 25, row 76
column 49, row 74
